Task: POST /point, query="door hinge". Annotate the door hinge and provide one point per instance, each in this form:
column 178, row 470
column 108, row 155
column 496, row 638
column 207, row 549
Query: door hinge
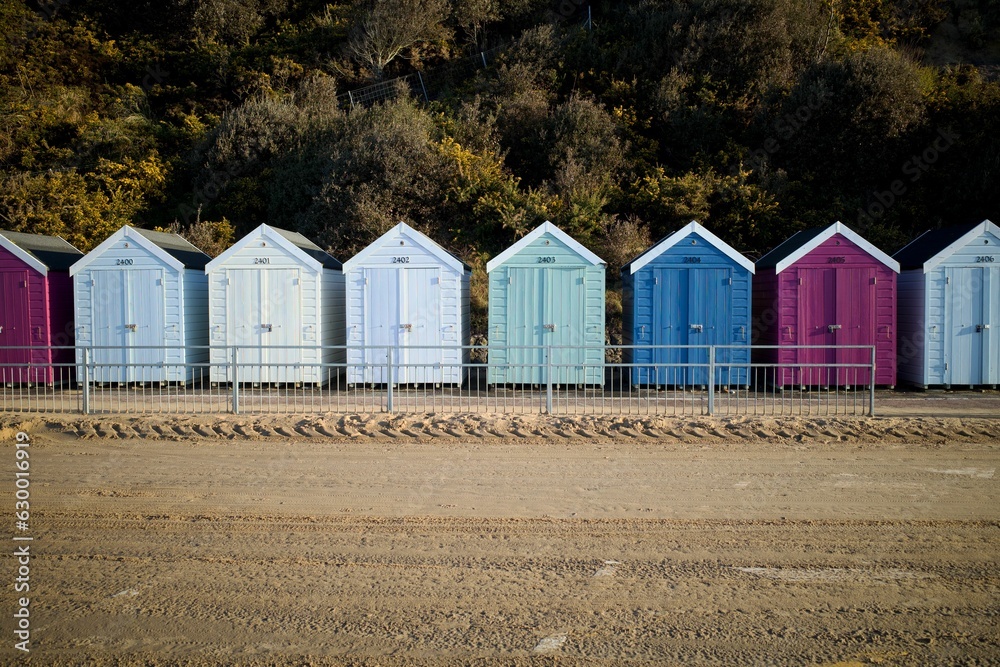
column 729, row 281
column 875, row 280
column 800, row 281
column 947, row 280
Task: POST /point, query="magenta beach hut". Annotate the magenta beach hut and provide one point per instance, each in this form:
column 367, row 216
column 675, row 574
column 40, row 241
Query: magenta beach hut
column 36, row 308
column 826, row 287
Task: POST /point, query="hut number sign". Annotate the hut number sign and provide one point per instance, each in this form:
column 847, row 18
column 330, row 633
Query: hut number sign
column 984, row 259
column 261, row 260
column 400, row 260
column 546, row 260
column 836, row 260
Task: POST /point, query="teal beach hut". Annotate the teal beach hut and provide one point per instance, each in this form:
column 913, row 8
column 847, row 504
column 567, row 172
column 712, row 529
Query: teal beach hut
column 546, row 311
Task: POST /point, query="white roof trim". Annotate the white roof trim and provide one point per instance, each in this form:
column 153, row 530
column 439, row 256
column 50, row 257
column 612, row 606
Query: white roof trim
column 265, row 232
column 851, row 235
column 544, row 228
column 421, row 239
column 24, row 255
column 132, row 234
column 982, row 228
column 691, row 228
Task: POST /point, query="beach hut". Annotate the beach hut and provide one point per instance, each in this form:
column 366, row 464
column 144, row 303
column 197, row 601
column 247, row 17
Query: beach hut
column 546, row 294
column 826, row 287
column 690, row 290
column 407, row 294
column 279, row 298
column 949, row 307
column 140, row 304
column 36, row 307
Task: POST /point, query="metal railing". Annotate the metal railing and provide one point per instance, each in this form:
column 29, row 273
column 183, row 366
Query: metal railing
column 606, row 381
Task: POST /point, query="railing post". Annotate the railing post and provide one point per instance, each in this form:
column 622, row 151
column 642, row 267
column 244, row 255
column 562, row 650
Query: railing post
column 711, row 380
column 388, row 379
column 236, row 380
column 871, row 387
column 86, row 380
column 548, row 379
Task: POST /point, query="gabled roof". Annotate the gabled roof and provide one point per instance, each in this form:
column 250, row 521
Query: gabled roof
column 932, row 247
column 678, row 236
column 424, row 241
column 40, row 252
column 804, row 242
column 544, row 228
column 172, row 249
column 178, row 247
column 292, row 242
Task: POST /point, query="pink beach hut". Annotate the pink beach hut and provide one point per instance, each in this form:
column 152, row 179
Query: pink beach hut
column 36, row 308
column 828, row 288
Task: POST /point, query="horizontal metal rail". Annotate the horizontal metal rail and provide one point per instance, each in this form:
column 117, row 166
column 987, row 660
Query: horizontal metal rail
column 620, row 380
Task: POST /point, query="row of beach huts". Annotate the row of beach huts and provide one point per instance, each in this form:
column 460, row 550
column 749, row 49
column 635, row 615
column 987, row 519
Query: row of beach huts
column 144, row 300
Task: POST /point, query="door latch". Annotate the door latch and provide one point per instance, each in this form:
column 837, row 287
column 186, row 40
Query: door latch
column 131, row 327
column 406, row 327
column 980, row 328
column 267, row 328
column 549, row 327
column 698, row 327
column 833, row 327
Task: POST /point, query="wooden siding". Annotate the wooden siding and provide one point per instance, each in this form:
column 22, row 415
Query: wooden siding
column 30, row 319
column 716, row 294
column 144, row 290
column 527, row 301
column 912, row 338
column 286, row 294
column 402, row 261
column 927, row 328
column 797, row 320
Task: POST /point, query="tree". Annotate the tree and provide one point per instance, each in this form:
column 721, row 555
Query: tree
column 386, row 28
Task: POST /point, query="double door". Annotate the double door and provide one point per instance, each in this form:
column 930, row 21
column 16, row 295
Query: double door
column 972, row 349
column 15, row 327
column 836, row 316
column 546, row 314
column 263, row 311
column 128, row 311
column 402, row 315
column 691, row 312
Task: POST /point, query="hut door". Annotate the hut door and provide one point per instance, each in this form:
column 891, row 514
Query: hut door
column 14, row 324
column 244, row 300
column 281, row 325
column 109, row 319
column 144, row 324
column 381, row 322
column 965, row 293
column 817, row 320
column 671, row 325
column 262, row 315
column 856, row 317
column 563, row 323
column 709, row 298
column 526, row 319
column 419, row 325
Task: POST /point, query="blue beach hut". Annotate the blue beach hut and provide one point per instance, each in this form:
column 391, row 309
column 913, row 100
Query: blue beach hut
column 690, row 289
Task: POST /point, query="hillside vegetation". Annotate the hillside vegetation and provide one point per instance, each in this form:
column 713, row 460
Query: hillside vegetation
column 755, row 117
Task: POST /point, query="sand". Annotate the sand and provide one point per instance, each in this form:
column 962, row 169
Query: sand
column 431, row 540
